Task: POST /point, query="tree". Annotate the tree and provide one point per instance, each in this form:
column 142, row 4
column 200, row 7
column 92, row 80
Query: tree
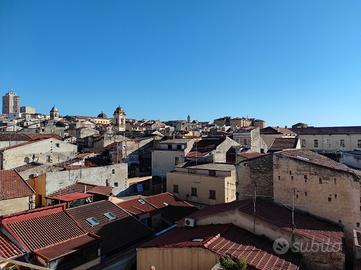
column 233, row 263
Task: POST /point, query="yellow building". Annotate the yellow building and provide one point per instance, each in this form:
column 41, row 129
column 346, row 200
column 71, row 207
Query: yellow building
column 205, row 184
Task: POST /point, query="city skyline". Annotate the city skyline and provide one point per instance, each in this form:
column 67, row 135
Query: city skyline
column 284, row 62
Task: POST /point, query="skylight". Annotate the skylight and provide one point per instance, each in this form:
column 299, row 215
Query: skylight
column 110, row 216
column 92, row 221
column 141, row 201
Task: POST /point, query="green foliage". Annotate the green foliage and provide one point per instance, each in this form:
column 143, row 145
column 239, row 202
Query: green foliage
column 232, row 263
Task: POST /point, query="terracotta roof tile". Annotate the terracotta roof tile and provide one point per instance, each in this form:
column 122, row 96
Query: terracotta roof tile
column 101, row 190
column 126, row 229
column 13, row 186
column 41, row 227
column 77, row 187
column 7, row 248
column 280, row 144
column 328, row 130
column 309, row 156
column 280, row 216
column 228, row 239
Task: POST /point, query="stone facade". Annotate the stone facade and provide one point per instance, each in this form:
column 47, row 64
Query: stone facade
column 321, row 191
column 255, row 175
column 48, row 151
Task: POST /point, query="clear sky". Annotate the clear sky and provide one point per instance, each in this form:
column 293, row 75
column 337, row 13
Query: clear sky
column 283, row 61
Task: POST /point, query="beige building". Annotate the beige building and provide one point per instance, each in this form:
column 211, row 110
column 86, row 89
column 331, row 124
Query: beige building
column 251, row 139
column 46, row 151
column 318, row 185
column 269, row 134
column 168, row 154
column 205, row 184
column 15, row 194
column 330, row 139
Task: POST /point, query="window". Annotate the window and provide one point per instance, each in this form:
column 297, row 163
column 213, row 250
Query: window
column 335, row 196
column 358, row 224
column 315, row 143
column 57, row 145
column 303, row 143
column 359, row 144
column 113, row 171
column 329, row 199
column 290, row 172
column 335, row 181
column 305, row 193
column 116, row 184
column 342, row 143
column 292, row 177
column 320, row 180
column 306, row 178
column 194, row 192
column 169, row 147
column 279, row 177
column 48, row 158
column 175, row 189
column 245, row 141
column 176, row 160
column 212, row 194
column 212, row 173
column 110, row 216
column 92, row 221
column 179, row 147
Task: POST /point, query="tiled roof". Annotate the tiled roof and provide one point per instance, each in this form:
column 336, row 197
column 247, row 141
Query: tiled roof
column 13, row 186
column 228, row 239
column 41, row 227
column 101, row 190
column 71, row 197
column 7, row 248
column 309, row 156
column 277, row 130
column 26, row 137
column 149, row 204
column 283, row 143
column 205, row 146
column 281, row 217
column 123, row 231
column 214, row 166
column 328, row 130
column 77, row 187
column 26, row 143
column 69, row 246
column 250, row 155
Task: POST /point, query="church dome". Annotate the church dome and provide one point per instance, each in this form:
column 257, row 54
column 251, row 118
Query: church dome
column 54, row 109
column 102, row 115
column 119, row 110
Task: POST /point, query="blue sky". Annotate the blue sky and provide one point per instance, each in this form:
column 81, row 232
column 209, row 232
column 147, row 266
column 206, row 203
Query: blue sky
column 284, row 61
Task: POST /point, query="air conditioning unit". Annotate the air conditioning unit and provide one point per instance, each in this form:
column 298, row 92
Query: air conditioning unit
column 190, row 222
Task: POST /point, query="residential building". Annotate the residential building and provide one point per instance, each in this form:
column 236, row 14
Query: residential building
column 27, row 110
column 52, row 238
column 200, row 248
column 118, row 230
column 211, row 149
column 8, row 139
column 115, row 176
column 269, row 134
column 205, row 184
column 11, row 103
column 280, row 144
column 46, row 151
column 159, row 211
column 318, row 185
column 330, row 139
column 250, row 139
column 168, row 154
column 15, row 194
column 264, row 218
